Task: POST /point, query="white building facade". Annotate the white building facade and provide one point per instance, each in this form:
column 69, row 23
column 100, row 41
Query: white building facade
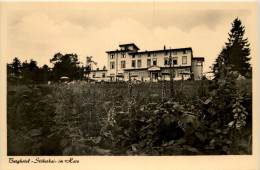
column 98, row 75
column 152, row 65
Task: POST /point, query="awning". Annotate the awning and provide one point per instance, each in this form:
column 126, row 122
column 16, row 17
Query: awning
column 154, row 68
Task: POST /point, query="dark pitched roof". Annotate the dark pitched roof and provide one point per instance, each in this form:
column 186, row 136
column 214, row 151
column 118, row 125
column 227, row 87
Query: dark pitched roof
column 129, row 44
column 159, row 51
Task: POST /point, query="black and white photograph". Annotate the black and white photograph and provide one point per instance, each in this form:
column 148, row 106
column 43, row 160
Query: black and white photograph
column 136, row 79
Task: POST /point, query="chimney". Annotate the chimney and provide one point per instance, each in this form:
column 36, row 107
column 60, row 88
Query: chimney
column 164, row 47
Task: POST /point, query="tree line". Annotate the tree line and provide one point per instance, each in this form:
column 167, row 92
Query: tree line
column 67, row 65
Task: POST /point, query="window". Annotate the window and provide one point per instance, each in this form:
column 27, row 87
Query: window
column 112, row 56
column 154, row 54
column 154, row 61
column 139, row 56
column 133, row 56
column 175, row 52
column 112, row 65
column 148, row 62
column 166, row 61
column 184, row 51
column 199, row 63
column 184, row 59
column 123, row 55
column 122, row 64
column 149, row 54
column 103, row 75
column 94, row 74
column 175, row 60
column 133, row 63
column 166, row 53
column 139, row 63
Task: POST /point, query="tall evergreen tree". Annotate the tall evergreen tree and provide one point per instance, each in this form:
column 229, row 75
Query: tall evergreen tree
column 238, row 49
column 16, row 67
column 236, row 53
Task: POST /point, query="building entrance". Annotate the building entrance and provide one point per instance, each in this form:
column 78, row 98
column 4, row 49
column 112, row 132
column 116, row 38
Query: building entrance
column 155, row 76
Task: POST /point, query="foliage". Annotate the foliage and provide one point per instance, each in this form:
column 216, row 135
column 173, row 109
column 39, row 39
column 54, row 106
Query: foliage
column 66, row 65
column 30, row 71
column 16, row 67
column 106, row 119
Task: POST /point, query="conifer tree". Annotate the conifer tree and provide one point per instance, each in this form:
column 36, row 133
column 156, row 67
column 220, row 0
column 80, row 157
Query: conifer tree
column 236, row 52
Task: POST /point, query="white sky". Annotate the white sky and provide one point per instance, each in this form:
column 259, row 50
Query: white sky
column 39, row 30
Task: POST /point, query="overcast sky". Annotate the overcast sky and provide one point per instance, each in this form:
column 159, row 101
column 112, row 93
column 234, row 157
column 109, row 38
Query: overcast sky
column 39, row 30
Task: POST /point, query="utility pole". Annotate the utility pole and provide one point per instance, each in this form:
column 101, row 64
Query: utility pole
column 171, row 73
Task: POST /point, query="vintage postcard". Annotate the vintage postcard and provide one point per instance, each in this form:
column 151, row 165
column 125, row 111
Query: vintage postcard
column 129, row 85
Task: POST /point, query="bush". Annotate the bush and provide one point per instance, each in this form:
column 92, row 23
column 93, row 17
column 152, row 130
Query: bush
column 204, row 118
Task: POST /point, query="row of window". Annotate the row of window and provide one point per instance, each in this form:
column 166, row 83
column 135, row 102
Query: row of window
column 175, row 60
column 154, row 62
column 154, row 54
column 103, row 75
column 112, row 56
column 176, row 73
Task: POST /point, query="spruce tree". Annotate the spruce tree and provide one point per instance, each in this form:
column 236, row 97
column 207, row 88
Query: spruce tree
column 238, row 49
column 236, row 53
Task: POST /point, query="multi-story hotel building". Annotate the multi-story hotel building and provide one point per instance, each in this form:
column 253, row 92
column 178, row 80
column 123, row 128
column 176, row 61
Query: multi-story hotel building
column 150, row 65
